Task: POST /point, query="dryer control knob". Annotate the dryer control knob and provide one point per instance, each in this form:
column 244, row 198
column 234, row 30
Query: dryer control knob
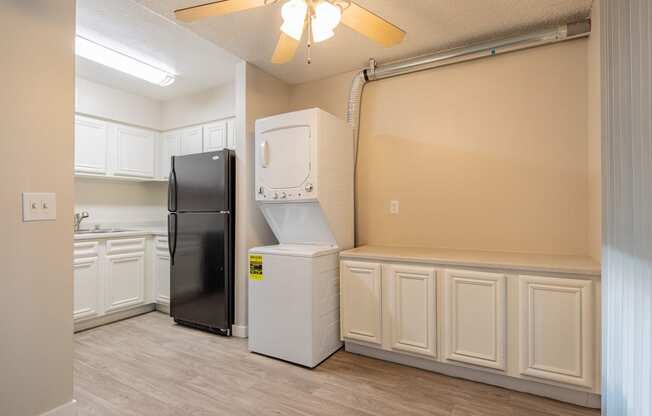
column 308, row 187
column 261, row 190
column 275, row 195
column 284, row 195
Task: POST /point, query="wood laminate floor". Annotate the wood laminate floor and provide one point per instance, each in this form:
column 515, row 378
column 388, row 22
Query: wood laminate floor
column 149, row 366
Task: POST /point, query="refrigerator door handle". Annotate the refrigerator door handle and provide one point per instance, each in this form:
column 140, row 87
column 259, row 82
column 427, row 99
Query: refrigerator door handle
column 172, row 189
column 264, row 159
column 172, row 236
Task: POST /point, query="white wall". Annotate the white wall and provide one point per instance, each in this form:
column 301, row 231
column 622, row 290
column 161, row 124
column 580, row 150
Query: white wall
column 36, row 144
column 98, row 100
column 214, row 104
column 112, row 203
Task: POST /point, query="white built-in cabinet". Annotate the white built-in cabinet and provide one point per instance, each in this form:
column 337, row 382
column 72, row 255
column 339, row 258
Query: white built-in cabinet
column 115, row 275
column 556, row 320
column 91, row 142
column 510, row 324
column 360, row 301
column 412, row 304
column 475, row 328
column 161, row 271
column 117, row 151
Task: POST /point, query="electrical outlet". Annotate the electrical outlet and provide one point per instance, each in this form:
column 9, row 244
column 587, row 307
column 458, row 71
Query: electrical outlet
column 39, row 206
column 393, row 207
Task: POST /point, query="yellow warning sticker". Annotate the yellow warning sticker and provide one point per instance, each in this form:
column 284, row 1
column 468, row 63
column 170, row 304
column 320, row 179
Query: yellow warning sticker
column 255, row 267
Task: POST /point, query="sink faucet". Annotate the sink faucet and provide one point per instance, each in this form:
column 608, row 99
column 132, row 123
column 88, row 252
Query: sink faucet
column 79, row 217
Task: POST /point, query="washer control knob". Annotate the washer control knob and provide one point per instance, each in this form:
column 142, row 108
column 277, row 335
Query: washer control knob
column 308, row 187
column 275, row 195
column 284, row 195
column 261, row 190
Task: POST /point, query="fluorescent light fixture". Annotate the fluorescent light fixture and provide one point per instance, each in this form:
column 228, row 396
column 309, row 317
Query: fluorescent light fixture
column 106, row 56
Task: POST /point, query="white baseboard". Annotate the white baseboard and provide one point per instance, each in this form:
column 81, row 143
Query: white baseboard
column 113, row 317
column 580, row 398
column 239, row 331
column 68, row 409
column 163, row 307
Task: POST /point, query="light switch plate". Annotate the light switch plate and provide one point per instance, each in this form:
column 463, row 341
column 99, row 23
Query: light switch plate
column 39, row 206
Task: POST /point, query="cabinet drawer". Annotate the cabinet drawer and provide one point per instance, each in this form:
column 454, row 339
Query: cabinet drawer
column 85, row 249
column 125, row 245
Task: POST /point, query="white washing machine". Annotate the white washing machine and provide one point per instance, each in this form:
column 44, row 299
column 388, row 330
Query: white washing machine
column 304, row 187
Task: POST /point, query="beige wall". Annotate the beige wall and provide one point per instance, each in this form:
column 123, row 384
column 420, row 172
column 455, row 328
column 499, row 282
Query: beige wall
column 258, row 94
column 208, row 105
column 36, row 144
column 490, row 154
column 595, row 136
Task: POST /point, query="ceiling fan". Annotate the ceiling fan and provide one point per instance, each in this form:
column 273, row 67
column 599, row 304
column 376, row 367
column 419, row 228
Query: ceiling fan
column 321, row 17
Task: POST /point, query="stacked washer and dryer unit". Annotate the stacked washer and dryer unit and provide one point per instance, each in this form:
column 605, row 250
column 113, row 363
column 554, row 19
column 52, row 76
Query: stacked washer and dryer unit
column 304, row 187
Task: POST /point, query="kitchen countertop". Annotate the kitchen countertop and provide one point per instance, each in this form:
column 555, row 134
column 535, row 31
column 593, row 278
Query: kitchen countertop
column 582, row 265
column 133, row 231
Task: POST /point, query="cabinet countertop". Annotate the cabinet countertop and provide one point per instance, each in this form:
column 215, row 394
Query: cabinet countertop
column 527, row 262
column 133, row 232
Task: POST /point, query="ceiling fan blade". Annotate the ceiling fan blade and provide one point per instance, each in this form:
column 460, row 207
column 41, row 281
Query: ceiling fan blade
column 216, row 8
column 371, row 25
column 285, row 49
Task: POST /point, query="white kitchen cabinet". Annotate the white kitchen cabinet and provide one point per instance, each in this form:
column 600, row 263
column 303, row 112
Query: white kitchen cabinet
column 125, row 273
column 361, row 301
column 135, row 150
column 215, row 136
column 475, row 325
column 192, row 140
column 556, row 319
column 412, row 297
column 162, row 271
column 170, row 146
column 86, row 273
column 91, row 141
column 231, row 139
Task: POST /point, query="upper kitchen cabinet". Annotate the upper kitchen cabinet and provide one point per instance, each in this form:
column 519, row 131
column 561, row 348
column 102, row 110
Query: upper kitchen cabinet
column 135, row 149
column 91, row 139
column 170, row 146
column 215, row 136
column 192, row 140
column 231, row 141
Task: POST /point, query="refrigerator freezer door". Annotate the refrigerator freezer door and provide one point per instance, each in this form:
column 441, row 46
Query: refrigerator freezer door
column 201, row 271
column 200, row 182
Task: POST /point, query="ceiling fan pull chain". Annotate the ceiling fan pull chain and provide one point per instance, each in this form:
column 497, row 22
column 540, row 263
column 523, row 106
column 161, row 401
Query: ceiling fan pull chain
column 309, row 40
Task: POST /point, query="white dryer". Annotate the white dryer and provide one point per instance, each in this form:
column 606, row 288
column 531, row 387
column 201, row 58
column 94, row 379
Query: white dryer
column 304, row 187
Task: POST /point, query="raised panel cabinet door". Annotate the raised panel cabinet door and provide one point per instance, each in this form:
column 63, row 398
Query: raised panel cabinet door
column 475, row 324
column 215, row 135
column 192, row 140
column 90, row 145
column 171, row 146
column 231, row 139
column 125, row 280
column 360, row 297
column 413, row 309
column 162, row 276
column 86, row 273
column 556, row 329
column 135, row 150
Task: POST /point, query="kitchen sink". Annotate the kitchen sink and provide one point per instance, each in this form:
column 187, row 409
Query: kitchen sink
column 103, row 231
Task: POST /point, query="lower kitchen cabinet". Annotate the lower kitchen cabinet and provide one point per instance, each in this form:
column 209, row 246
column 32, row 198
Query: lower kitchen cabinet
column 361, row 301
column 475, row 327
column 161, row 271
column 86, row 272
column 125, row 280
column 499, row 325
column 412, row 298
column 556, row 319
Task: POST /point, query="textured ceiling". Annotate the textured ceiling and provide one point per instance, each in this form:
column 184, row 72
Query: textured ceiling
column 430, row 25
column 135, row 30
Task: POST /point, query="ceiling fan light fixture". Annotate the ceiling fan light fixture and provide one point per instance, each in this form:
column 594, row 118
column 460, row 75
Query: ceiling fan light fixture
column 294, row 16
column 327, row 17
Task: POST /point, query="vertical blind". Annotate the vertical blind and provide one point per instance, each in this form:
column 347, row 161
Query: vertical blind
column 627, row 201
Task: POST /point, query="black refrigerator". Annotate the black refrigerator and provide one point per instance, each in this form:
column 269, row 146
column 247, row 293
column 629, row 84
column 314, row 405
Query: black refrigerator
column 201, row 236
